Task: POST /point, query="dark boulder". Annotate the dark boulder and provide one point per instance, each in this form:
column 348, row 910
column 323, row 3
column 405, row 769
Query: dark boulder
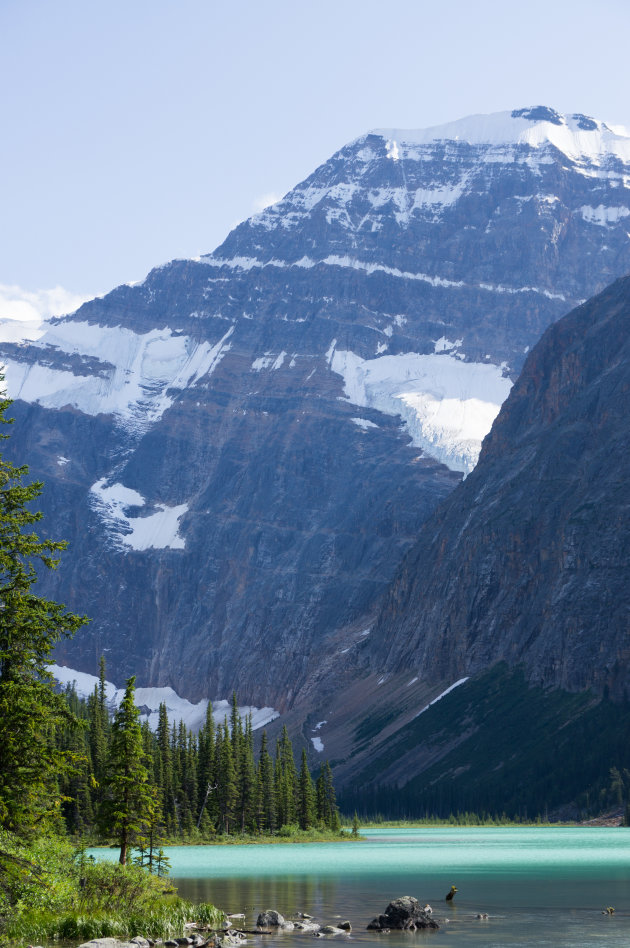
column 273, row 919
column 404, row 913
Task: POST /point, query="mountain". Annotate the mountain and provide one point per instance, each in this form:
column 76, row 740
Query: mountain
column 517, row 593
column 528, row 560
column 242, row 449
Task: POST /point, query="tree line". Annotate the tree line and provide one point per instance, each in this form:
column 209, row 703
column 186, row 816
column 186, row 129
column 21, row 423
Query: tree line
column 138, row 785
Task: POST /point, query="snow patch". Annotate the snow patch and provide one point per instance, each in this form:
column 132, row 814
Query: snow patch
column 445, row 345
column 139, row 373
column 149, row 700
column 269, row 361
column 84, row 684
column 319, row 724
column 317, row 744
column 155, row 531
column 447, row 405
column 603, row 216
column 392, row 150
column 61, row 461
column 439, row 697
column 364, row 423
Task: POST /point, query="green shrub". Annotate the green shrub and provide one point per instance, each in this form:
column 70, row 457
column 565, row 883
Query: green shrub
column 49, row 891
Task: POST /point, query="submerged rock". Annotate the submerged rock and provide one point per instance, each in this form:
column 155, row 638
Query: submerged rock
column 403, row 913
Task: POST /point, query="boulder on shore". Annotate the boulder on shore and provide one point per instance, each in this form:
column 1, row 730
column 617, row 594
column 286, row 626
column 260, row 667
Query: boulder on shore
column 403, row 913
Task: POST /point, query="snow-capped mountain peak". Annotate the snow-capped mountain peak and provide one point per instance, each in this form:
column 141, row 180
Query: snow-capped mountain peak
column 578, row 136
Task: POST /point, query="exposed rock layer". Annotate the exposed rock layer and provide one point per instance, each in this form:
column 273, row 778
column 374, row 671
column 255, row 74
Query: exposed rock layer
column 528, row 560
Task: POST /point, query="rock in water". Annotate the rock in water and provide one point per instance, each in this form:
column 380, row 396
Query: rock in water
column 273, row 919
column 403, row 913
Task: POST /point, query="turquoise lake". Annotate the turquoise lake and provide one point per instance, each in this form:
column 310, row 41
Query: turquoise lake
column 539, row 886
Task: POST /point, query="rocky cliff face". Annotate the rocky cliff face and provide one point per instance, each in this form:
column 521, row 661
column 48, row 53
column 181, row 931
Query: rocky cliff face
column 527, row 561
column 242, row 448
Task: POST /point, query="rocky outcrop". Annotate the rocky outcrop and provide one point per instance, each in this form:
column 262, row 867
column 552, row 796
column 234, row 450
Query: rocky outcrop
column 528, row 561
column 403, row 913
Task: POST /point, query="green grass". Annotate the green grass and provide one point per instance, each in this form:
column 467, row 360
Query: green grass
column 163, row 921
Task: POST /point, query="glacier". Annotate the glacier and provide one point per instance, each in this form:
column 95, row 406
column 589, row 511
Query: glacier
column 447, row 405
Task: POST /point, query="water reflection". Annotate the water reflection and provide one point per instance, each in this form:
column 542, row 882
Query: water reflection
column 289, row 895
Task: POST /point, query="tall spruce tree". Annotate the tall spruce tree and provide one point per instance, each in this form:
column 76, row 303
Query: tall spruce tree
column 30, row 711
column 286, row 779
column 306, row 796
column 247, row 780
column 326, row 803
column 129, row 802
column 267, row 804
column 227, row 791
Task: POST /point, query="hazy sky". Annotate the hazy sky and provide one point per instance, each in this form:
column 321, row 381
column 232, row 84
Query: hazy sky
column 136, row 131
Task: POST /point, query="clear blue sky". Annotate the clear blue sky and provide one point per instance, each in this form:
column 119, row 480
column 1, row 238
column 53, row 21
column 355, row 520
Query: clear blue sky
column 136, row 131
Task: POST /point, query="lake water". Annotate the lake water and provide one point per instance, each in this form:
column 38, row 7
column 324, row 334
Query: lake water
column 543, row 887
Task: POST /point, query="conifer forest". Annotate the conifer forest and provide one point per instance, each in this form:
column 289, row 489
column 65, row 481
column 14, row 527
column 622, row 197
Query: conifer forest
column 140, row 786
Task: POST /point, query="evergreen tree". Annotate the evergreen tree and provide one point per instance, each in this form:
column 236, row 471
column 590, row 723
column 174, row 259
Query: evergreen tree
column 326, row 804
column 266, row 803
column 30, row 711
column 247, row 781
column 164, row 761
column 227, row 791
column 306, row 796
column 130, row 802
column 207, row 773
column 287, row 779
column 76, row 787
column 278, row 789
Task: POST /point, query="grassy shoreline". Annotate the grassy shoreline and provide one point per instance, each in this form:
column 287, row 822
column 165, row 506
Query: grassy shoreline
column 299, row 836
